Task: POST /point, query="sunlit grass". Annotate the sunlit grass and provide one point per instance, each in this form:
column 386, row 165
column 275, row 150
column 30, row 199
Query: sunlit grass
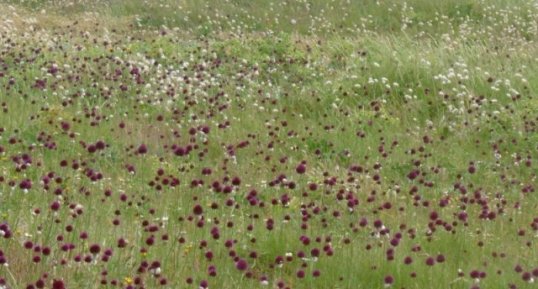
column 151, row 144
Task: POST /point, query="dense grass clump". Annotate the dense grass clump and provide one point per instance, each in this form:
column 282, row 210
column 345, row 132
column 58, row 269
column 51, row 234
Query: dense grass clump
column 268, row 144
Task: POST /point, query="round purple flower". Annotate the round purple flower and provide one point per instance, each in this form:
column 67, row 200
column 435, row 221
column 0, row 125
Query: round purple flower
column 389, row 280
column 241, row 265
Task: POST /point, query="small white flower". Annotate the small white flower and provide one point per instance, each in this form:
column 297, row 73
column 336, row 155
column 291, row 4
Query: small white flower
column 156, row 271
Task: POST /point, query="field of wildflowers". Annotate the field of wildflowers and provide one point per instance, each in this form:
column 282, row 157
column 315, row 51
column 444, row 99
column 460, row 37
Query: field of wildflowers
column 268, row 144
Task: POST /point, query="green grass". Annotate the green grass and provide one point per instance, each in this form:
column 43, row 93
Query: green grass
column 390, row 86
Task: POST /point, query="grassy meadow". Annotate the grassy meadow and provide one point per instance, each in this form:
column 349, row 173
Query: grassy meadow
column 301, row 144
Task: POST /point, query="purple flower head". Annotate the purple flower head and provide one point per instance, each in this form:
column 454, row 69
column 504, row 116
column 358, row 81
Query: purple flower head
column 241, row 265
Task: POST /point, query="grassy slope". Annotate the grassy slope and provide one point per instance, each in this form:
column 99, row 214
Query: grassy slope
column 328, row 77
